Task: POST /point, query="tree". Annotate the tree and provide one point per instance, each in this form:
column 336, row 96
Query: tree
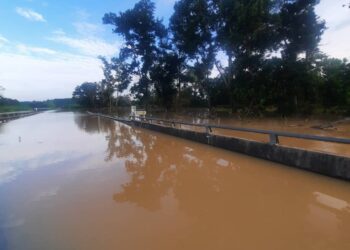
column 123, row 101
column 192, row 26
column 246, row 31
column 1, row 90
column 271, row 48
column 116, row 79
column 164, row 73
column 87, row 94
column 335, row 88
column 107, row 86
column 300, row 29
column 142, row 33
column 121, row 74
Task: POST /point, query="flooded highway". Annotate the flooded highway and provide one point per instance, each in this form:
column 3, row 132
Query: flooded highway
column 73, row 181
column 319, row 127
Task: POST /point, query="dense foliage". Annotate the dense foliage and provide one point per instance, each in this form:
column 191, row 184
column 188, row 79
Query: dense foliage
column 252, row 56
column 97, row 95
column 10, row 105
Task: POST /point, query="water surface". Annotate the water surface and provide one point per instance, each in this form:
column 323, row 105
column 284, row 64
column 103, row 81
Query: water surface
column 72, row 181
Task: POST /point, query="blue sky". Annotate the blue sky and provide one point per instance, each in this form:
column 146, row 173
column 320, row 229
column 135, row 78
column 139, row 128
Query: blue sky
column 47, row 47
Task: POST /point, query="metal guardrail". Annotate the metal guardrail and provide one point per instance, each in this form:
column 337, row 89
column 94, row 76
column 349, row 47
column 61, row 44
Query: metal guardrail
column 13, row 115
column 273, row 135
column 16, row 112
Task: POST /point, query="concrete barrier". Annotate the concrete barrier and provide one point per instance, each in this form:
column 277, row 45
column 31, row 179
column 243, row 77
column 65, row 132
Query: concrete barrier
column 318, row 162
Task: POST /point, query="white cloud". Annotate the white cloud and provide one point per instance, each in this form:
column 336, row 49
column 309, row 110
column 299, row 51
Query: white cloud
column 30, row 14
column 3, row 41
column 336, row 40
column 88, row 29
column 90, row 46
column 59, row 32
column 24, row 49
column 82, row 14
column 37, row 77
column 39, row 73
column 87, row 40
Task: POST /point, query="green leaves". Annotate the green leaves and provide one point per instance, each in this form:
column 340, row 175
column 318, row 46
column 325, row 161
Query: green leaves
column 87, row 94
column 143, row 34
column 270, row 48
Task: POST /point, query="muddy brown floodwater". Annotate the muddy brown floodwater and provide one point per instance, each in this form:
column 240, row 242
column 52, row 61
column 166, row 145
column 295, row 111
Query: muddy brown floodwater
column 340, row 129
column 72, row 181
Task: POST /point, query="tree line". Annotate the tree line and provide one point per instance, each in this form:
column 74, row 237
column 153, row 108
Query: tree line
column 11, row 105
column 251, row 56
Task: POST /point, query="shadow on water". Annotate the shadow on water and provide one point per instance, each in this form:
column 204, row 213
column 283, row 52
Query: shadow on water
column 92, row 124
column 219, row 189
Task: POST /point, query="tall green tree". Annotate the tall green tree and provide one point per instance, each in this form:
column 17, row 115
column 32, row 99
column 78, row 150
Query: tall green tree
column 164, row 74
column 271, row 48
column 1, row 90
column 117, row 78
column 335, row 88
column 192, row 26
column 107, row 86
column 245, row 32
column 300, row 30
column 87, row 94
column 122, row 74
column 142, row 33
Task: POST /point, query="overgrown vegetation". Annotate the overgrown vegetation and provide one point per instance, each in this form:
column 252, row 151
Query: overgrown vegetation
column 12, row 105
column 251, row 56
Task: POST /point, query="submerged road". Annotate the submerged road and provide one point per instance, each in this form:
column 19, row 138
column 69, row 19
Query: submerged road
column 73, row 181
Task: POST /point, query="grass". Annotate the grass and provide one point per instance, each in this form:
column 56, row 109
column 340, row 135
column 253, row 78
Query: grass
column 13, row 108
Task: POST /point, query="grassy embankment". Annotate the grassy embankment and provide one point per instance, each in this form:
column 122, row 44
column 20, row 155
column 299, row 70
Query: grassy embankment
column 14, row 108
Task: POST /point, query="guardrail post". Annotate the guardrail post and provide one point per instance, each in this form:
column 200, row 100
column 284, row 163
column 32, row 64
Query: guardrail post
column 208, row 129
column 274, row 139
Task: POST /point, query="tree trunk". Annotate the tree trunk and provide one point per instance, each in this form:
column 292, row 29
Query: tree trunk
column 110, row 104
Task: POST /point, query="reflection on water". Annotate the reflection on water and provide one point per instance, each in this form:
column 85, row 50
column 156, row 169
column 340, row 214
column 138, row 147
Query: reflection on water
column 111, row 186
column 332, row 202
